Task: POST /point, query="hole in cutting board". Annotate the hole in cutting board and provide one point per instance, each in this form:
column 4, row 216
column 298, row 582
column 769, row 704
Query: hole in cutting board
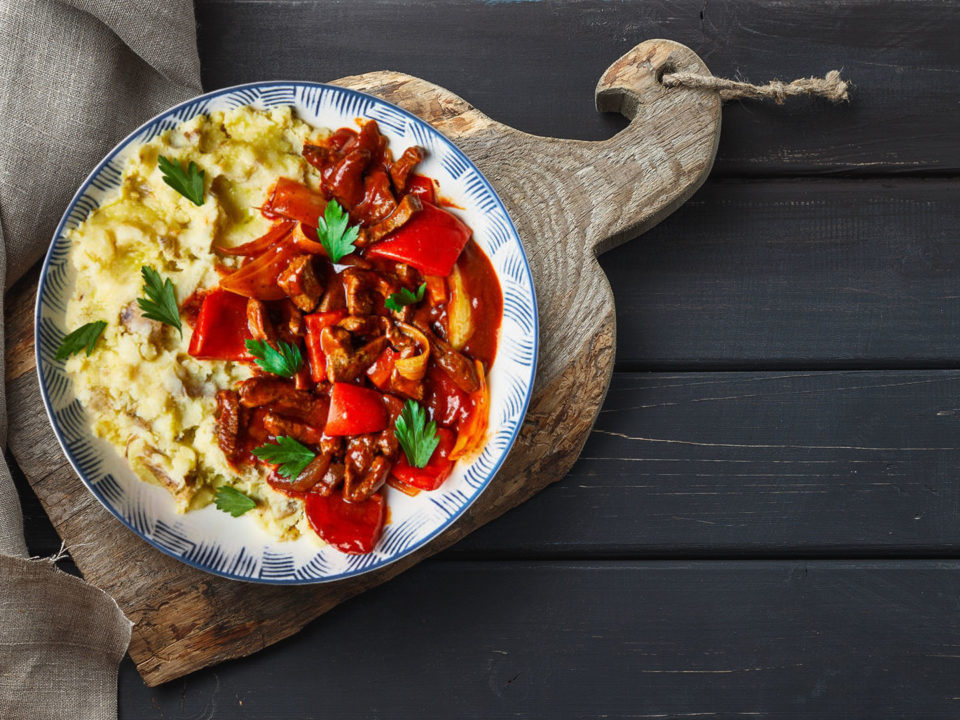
column 668, row 67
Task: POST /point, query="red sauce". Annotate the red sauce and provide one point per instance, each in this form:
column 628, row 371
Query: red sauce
column 255, row 433
column 483, row 287
column 358, row 170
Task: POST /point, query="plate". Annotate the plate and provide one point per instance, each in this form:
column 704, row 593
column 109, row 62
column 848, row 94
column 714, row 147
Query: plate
column 239, row 548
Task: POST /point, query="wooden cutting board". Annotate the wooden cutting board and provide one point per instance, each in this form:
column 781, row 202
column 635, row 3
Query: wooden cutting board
column 570, row 200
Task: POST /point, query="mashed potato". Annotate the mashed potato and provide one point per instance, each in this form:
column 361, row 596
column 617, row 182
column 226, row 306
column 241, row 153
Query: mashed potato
column 144, row 393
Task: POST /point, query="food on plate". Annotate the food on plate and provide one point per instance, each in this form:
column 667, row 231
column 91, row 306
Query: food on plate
column 283, row 322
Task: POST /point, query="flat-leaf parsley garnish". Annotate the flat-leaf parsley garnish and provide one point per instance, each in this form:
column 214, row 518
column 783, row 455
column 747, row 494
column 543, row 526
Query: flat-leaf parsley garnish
column 232, row 501
column 290, row 455
column 189, row 183
column 396, row 301
column 284, row 360
column 336, row 238
column 85, row 336
column 417, row 437
column 161, row 301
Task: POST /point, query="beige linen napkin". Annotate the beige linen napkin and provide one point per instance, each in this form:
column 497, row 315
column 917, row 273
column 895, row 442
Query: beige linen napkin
column 75, row 77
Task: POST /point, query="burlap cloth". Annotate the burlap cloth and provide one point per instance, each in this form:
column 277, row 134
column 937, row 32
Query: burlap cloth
column 75, row 77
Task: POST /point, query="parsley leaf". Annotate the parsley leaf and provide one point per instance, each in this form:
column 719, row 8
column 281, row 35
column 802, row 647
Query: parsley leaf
column 189, row 183
column 161, row 301
column 398, row 299
column 284, row 362
column 417, row 437
column 291, row 456
column 336, row 238
column 232, row 501
column 84, row 336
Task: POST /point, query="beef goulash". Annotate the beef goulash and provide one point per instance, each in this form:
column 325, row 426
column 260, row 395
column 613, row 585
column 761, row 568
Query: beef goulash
column 284, row 322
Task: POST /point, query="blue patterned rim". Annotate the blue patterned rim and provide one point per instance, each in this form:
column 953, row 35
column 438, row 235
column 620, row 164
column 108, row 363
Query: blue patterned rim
column 201, row 539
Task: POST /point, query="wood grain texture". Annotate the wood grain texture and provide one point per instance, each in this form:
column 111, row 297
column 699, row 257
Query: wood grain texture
column 531, row 65
column 817, row 640
column 744, row 465
column 795, row 274
column 753, row 465
column 735, row 279
column 569, row 199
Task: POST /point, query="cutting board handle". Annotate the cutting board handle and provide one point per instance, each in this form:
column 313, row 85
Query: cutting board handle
column 633, row 80
column 590, row 195
column 569, row 200
column 652, row 166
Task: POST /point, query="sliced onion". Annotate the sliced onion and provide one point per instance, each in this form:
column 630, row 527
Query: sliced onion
column 258, row 278
column 473, row 431
column 414, row 368
column 296, row 201
column 261, row 244
column 305, row 238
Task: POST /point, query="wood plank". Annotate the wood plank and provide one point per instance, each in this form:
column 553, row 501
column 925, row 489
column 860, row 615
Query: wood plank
column 795, row 274
column 868, row 278
column 902, row 57
column 747, row 465
column 754, row 464
column 607, row 640
column 569, row 201
column 816, row 273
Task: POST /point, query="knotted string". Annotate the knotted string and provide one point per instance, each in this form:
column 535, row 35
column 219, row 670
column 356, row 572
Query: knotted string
column 831, row 87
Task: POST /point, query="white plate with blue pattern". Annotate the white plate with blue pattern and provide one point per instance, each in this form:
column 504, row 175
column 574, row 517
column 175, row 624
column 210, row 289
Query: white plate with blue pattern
column 239, row 548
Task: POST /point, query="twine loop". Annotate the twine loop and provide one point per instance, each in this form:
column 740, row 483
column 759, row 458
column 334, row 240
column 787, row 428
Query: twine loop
column 831, row 86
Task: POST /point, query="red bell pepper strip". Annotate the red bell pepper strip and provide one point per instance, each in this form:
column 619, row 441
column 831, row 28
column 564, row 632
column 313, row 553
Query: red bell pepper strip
column 279, row 231
column 432, row 475
column 190, row 308
column 221, row 328
column 352, row 528
column 423, row 188
column 448, row 404
column 355, row 410
column 431, row 241
column 296, row 201
column 315, row 324
column 258, row 279
column 382, row 368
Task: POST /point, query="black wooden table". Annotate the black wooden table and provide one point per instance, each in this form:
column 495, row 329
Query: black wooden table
column 766, row 519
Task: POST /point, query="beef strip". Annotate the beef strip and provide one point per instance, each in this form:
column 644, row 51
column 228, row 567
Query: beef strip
column 361, row 286
column 331, row 480
column 406, row 209
column 300, row 282
column 344, row 363
column 400, row 169
column 284, row 398
column 258, row 321
column 228, row 424
column 279, row 425
column 366, row 469
column 344, row 179
column 460, row 369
